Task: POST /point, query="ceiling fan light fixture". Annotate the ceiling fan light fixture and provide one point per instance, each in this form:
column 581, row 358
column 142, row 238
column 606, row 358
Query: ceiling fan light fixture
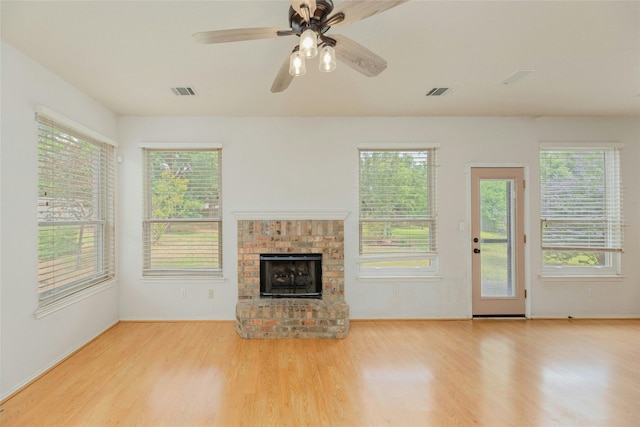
column 327, row 59
column 309, row 43
column 309, row 20
column 296, row 64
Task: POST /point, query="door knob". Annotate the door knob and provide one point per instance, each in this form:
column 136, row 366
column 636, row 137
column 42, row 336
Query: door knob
column 475, row 239
column 476, row 251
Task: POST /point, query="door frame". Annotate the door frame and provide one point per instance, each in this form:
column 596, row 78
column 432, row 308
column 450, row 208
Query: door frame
column 527, row 245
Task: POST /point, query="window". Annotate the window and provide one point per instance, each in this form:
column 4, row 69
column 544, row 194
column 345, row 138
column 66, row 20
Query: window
column 581, row 210
column 398, row 212
column 76, row 247
column 183, row 224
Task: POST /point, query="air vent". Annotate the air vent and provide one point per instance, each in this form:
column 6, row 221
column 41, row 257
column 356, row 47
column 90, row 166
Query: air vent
column 439, row 91
column 512, row 78
column 183, row 91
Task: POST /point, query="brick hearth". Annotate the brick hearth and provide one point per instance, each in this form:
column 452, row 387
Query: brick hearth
column 291, row 317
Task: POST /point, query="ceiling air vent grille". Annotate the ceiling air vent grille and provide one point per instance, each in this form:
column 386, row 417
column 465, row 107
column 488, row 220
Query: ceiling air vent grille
column 439, row 91
column 183, row 91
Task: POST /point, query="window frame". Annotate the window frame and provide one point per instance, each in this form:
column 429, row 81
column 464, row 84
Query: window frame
column 405, row 272
column 101, row 261
column 613, row 257
column 150, row 272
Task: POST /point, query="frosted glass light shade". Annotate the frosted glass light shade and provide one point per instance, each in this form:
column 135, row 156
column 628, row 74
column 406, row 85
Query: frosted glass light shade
column 296, row 64
column 309, row 43
column 327, row 59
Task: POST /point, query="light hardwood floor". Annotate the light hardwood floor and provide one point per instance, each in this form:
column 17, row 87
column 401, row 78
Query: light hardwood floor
column 385, row 373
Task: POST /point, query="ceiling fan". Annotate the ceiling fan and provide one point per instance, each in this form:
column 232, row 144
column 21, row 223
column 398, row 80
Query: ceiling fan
column 310, row 20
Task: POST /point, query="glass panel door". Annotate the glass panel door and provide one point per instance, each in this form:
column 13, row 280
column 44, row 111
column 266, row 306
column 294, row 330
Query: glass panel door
column 497, row 206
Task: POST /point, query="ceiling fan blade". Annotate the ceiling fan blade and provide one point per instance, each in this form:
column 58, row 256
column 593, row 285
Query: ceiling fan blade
column 239, row 34
column 297, row 5
column 283, row 78
column 357, row 10
column 358, row 57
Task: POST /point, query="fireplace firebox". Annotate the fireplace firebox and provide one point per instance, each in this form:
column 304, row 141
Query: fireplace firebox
column 291, row 276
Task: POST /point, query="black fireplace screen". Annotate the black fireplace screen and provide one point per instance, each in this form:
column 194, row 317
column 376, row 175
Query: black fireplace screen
column 291, row 276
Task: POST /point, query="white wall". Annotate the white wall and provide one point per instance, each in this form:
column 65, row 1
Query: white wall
column 28, row 345
column 588, row 298
column 298, row 164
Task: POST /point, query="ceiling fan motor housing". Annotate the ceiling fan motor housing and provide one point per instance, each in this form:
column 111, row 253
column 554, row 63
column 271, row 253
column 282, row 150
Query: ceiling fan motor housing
column 298, row 23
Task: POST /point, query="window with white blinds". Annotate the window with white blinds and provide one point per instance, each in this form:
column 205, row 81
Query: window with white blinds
column 397, row 215
column 183, row 222
column 76, row 248
column 581, row 219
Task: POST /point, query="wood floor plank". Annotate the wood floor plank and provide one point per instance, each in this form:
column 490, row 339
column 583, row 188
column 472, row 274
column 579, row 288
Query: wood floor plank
column 385, row 373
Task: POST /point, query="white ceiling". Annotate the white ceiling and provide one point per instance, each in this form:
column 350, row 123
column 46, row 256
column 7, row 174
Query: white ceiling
column 128, row 54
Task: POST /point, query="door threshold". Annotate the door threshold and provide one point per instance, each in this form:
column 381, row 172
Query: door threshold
column 499, row 316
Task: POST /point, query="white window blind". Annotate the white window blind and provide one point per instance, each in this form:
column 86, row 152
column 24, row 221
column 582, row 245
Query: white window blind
column 76, row 247
column 183, row 224
column 581, row 199
column 397, row 190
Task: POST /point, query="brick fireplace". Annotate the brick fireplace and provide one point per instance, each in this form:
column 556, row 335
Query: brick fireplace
column 291, row 233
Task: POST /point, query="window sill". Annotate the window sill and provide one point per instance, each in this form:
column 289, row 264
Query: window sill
column 203, row 279
column 579, row 278
column 73, row 298
column 412, row 279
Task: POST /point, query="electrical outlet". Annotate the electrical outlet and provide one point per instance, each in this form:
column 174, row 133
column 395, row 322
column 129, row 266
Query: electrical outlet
column 183, row 292
column 210, row 293
column 395, row 292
